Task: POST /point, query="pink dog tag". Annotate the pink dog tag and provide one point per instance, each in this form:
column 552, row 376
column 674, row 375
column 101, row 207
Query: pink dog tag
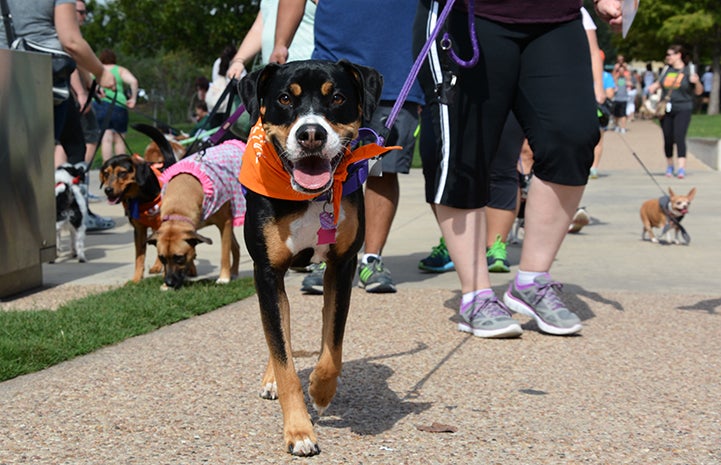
column 326, row 233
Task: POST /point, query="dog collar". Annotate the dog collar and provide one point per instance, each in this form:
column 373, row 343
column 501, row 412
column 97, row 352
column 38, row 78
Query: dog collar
column 178, row 218
column 147, row 214
column 262, row 170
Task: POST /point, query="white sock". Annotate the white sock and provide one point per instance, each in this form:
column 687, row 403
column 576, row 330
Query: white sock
column 524, row 278
column 368, row 256
column 470, row 296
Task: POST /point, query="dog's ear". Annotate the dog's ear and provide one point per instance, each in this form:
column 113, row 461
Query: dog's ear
column 671, row 193
column 252, row 88
column 196, row 239
column 143, row 173
column 369, row 83
column 691, row 194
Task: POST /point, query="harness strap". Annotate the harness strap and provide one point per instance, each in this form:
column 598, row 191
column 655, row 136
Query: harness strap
column 676, row 220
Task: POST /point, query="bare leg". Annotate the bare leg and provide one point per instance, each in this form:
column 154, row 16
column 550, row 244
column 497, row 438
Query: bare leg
column 500, row 223
column 119, row 143
column 549, row 210
column 381, row 203
column 465, row 234
column 106, row 146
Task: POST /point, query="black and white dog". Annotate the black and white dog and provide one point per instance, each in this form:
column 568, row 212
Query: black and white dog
column 71, row 207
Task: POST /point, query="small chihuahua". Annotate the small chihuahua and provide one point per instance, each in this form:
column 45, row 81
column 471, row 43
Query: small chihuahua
column 666, row 212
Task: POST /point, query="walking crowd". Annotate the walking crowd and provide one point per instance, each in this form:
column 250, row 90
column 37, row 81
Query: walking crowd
column 505, row 112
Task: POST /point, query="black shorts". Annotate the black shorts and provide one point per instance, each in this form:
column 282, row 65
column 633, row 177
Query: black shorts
column 541, row 72
column 619, row 109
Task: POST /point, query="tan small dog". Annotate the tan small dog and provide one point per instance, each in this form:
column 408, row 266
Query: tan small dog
column 666, row 212
column 200, row 190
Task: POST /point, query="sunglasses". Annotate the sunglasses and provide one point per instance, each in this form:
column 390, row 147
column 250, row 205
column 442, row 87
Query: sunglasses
column 82, row 12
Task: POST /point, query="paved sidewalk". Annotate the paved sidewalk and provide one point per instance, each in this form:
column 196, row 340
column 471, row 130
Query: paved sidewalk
column 639, row 385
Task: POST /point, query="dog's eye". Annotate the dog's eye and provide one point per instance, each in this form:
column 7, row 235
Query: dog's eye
column 163, row 260
column 285, row 100
column 338, row 99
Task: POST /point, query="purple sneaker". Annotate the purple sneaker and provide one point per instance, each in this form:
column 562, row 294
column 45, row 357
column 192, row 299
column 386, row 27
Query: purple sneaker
column 486, row 316
column 541, row 301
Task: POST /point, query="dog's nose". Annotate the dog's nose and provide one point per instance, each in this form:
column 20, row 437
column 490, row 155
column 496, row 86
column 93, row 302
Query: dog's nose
column 108, row 191
column 311, row 136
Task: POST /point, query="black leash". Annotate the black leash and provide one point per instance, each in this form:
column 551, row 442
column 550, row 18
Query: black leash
column 230, row 91
column 633, row 152
column 663, row 202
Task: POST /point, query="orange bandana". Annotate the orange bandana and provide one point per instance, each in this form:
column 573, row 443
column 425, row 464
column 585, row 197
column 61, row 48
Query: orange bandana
column 262, row 170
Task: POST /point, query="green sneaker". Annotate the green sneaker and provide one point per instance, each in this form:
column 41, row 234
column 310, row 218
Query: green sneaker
column 439, row 261
column 375, row 278
column 497, row 257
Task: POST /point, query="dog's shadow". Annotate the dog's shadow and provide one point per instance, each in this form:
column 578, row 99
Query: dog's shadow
column 364, row 401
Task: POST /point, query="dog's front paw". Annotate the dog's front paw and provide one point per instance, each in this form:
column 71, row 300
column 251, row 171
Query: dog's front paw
column 299, row 436
column 304, row 448
column 156, row 269
column 654, row 240
column 322, row 391
column 222, row 281
column 269, row 391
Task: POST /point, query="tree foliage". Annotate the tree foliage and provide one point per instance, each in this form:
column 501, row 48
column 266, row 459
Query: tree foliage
column 694, row 24
column 167, row 44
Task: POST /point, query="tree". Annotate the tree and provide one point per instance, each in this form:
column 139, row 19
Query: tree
column 168, row 44
column 695, row 24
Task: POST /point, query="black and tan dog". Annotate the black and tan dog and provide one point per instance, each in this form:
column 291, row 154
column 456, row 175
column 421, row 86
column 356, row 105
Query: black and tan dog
column 298, row 204
column 132, row 181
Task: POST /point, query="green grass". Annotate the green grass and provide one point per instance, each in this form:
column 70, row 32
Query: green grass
column 34, row 340
column 705, row 126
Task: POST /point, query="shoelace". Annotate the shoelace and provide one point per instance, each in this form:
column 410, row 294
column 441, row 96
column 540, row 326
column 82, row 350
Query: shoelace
column 548, row 291
column 489, row 308
column 439, row 250
column 498, row 246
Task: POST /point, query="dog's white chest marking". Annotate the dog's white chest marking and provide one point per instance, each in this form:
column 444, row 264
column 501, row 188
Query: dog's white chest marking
column 304, row 232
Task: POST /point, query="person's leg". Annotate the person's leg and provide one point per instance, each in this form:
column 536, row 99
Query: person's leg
column 667, row 130
column 381, row 203
column 562, row 138
column 597, row 152
column 465, row 233
column 549, row 210
column 106, row 145
column 503, row 204
column 382, row 194
column 682, row 120
column 461, row 182
column 118, row 143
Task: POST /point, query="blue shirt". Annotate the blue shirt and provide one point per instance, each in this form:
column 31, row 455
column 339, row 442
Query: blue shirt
column 375, row 33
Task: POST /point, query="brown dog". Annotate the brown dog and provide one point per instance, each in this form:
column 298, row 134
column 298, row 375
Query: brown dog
column 132, row 181
column 666, row 212
column 200, row 190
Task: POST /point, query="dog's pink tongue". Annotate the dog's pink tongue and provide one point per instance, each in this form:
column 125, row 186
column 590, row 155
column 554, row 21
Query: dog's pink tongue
column 312, row 173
